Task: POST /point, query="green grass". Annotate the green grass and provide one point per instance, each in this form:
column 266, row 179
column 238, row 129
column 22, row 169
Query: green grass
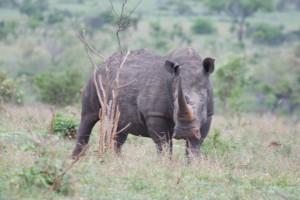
column 238, row 162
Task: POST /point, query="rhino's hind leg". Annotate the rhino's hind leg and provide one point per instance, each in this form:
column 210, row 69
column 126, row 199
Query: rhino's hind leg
column 83, row 134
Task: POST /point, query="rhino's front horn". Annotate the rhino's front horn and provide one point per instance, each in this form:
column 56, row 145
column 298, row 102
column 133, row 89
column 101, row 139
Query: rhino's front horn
column 184, row 113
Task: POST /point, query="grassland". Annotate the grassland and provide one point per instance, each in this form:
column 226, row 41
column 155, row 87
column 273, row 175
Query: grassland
column 248, row 157
column 254, row 157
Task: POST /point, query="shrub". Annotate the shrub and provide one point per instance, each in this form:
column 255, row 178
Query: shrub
column 297, row 50
column 59, row 88
column 34, row 21
column 203, row 26
column 29, row 8
column 293, row 35
column 98, row 21
column 64, row 126
column 43, row 175
column 183, row 8
column 58, row 16
column 267, row 34
column 232, row 80
column 214, row 143
column 8, row 89
column 45, row 169
column 7, row 28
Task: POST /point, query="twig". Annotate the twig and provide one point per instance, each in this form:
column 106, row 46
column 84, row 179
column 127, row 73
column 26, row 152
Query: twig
column 109, row 114
column 124, row 128
column 121, row 26
column 113, row 9
column 90, row 47
column 127, row 84
column 55, row 184
column 52, row 122
column 132, row 11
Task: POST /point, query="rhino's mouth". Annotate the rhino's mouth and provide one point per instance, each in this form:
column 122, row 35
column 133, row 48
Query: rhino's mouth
column 187, row 132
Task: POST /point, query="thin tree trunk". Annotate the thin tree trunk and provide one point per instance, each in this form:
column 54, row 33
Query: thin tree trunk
column 241, row 24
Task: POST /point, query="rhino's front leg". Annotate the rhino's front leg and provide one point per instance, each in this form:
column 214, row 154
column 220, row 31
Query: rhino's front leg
column 119, row 140
column 160, row 132
column 193, row 146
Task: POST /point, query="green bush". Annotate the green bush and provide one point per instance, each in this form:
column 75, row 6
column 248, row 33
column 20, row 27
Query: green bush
column 34, row 21
column 203, row 26
column 99, row 20
column 64, row 126
column 182, row 8
column 231, row 79
column 214, row 143
column 266, row 34
column 297, row 50
column 60, row 88
column 58, row 16
column 8, row 89
column 43, row 175
column 29, row 8
column 7, row 28
column 45, row 169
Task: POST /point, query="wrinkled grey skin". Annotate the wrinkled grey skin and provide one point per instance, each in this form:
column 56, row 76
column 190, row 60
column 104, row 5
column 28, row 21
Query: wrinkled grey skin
column 161, row 97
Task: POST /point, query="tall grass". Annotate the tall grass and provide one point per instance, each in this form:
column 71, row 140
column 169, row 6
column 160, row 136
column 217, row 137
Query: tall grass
column 251, row 158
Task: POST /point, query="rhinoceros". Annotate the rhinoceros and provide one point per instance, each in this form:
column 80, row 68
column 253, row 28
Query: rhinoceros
column 161, row 97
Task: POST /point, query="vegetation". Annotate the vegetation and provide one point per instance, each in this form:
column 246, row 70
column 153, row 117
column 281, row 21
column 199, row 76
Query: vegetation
column 203, row 26
column 249, row 158
column 47, row 50
column 8, row 89
column 239, row 11
column 64, row 126
column 257, row 76
column 231, row 80
column 266, row 34
column 59, row 88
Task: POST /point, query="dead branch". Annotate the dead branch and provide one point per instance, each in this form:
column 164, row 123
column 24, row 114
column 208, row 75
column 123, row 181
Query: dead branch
column 132, row 11
column 124, row 128
column 83, row 40
column 2, row 108
column 57, row 181
column 127, row 84
column 122, row 25
column 52, row 122
column 109, row 113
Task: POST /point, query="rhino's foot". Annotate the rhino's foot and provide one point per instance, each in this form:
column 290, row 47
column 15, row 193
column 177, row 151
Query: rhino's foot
column 79, row 151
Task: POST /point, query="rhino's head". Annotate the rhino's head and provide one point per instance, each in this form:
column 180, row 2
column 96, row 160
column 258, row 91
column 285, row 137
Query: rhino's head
column 189, row 84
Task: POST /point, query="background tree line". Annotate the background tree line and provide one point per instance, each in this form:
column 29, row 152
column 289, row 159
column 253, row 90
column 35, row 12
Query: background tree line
column 256, row 45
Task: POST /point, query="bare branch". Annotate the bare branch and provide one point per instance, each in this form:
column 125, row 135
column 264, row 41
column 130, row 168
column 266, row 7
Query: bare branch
column 90, row 47
column 125, row 58
column 121, row 26
column 124, row 128
column 109, row 113
column 137, row 5
column 55, row 184
column 113, row 9
column 127, row 84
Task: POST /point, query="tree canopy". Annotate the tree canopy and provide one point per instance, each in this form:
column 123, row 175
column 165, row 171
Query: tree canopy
column 239, row 10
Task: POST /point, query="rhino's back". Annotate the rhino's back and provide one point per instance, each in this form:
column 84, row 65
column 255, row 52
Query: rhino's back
column 142, row 87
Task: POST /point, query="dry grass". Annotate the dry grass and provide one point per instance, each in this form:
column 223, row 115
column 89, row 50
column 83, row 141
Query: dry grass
column 254, row 158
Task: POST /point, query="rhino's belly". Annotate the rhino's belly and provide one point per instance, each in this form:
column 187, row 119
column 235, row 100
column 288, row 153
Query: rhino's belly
column 134, row 129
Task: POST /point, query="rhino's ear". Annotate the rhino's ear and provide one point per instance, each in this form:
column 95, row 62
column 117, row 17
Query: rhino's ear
column 171, row 67
column 208, row 65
